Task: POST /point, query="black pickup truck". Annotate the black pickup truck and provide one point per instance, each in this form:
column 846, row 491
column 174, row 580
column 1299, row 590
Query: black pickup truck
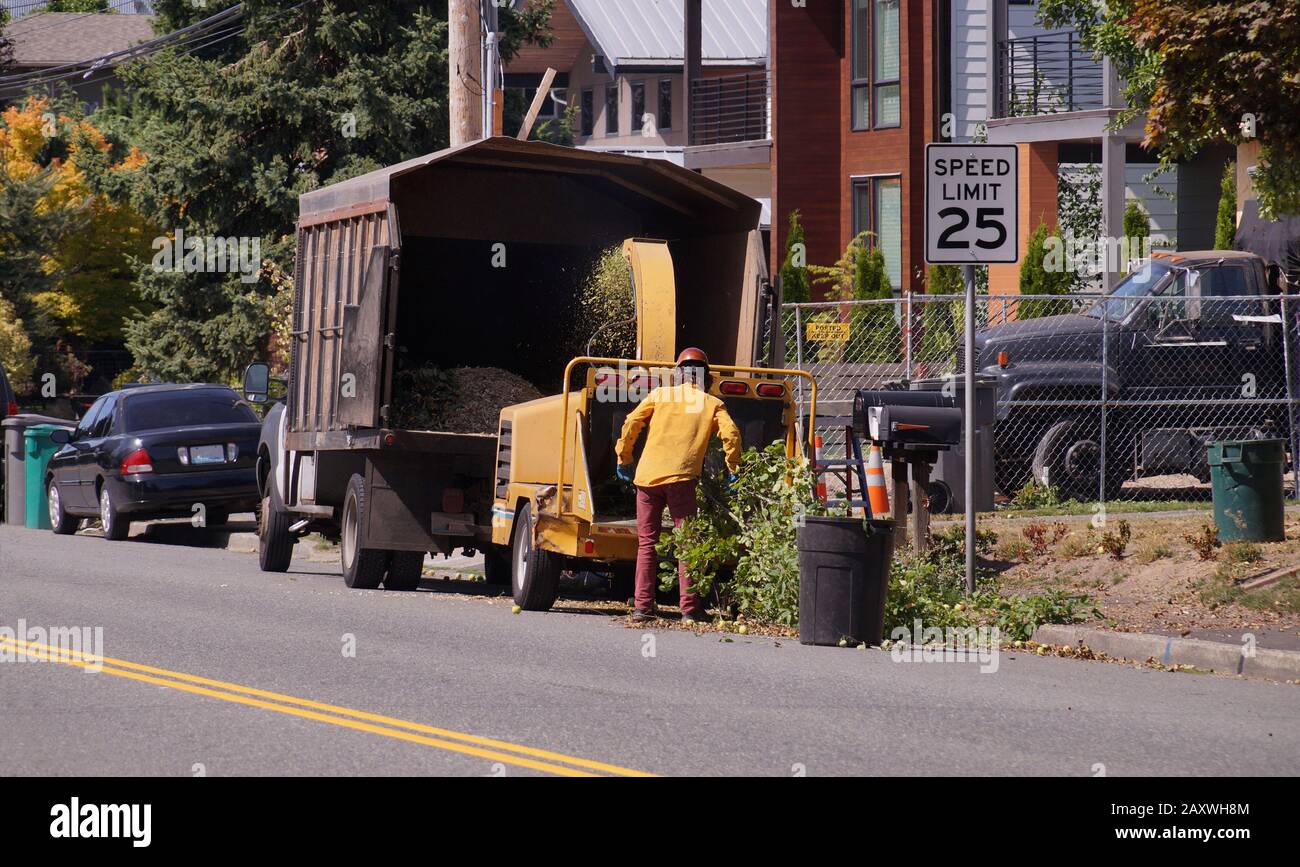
column 1192, row 352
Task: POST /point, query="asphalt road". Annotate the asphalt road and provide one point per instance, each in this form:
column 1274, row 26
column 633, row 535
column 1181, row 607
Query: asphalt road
column 213, row 667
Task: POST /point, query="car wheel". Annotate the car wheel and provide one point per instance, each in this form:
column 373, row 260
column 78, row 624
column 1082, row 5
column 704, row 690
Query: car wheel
column 404, row 570
column 60, row 521
column 363, row 568
column 116, row 526
column 496, row 565
column 274, row 541
column 535, row 573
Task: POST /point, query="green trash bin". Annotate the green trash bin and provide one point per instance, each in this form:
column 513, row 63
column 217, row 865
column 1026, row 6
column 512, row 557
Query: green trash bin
column 1246, row 477
column 38, row 449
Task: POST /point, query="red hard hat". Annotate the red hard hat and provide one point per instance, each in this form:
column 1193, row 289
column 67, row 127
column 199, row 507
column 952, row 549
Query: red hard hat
column 691, row 355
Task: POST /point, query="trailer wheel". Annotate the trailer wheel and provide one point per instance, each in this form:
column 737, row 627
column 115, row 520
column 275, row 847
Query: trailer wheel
column 363, row 568
column 404, row 570
column 536, row 573
column 274, row 541
column 496, row 565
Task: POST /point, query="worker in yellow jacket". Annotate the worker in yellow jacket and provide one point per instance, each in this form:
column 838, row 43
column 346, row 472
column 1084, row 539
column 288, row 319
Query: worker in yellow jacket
column 682, row 418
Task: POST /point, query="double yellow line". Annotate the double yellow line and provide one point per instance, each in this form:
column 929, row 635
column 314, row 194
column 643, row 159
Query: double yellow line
column 358, row 720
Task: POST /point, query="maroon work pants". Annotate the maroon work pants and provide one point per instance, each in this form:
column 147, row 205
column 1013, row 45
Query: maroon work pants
column 679, row 497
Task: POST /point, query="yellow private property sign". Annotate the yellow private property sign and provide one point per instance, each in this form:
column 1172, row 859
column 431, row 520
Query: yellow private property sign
column 828, row 332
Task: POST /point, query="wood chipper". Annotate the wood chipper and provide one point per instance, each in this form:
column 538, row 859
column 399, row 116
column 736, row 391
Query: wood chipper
column 558, row 502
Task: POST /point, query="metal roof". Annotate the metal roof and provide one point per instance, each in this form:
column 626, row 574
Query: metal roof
column 649, row 32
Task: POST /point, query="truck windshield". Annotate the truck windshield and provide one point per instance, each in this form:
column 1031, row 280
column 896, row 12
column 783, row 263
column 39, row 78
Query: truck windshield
column 1136, row 286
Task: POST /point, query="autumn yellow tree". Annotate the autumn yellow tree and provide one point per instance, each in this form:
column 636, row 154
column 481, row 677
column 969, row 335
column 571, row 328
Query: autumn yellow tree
column 56, row 218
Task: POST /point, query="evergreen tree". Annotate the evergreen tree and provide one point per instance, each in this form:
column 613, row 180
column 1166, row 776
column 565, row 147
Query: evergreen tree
column 308, row 94
column 1039, row 276
column 1225, row 223
column 794, row 274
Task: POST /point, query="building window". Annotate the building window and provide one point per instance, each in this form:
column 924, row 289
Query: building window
column 611, row 109
column 878, row 209
column 638, row 105
column 884, row 46
column 665, row 104
column 876, row 93
column 588, row 112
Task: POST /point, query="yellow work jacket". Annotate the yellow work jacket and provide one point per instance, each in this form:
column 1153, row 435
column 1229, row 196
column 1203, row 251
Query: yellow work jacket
column 681, row 419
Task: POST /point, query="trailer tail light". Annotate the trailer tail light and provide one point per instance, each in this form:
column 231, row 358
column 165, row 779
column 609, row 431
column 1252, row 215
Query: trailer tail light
column 390, row 439
column 732, row 386
column 589, row 547
column 771, row 389
column 136, row 462
column 612, row 380
column 11, row 409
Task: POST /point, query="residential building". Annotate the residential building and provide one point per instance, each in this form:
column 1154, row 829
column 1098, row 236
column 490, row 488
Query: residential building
column 50, row 41
column 625, row 66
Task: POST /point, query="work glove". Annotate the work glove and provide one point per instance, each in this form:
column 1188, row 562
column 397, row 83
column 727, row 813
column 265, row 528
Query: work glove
column 624, row 472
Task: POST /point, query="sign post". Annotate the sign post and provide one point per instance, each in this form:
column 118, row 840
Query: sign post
column 971, row 218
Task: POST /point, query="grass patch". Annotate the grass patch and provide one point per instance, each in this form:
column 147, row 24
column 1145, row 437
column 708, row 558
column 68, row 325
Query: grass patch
column 1153, row 551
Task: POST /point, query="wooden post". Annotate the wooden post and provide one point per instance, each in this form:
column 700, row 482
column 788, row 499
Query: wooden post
column 920, row 507
column 542, row 91
column 464, row 71
column 898, row 472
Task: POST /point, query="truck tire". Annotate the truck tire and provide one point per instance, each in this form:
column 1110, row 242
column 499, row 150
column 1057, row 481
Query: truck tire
column 363, row 568
column 274, row 541
column 496, row 565
column 1070, row 456
column 535, row 573
column 404, row 570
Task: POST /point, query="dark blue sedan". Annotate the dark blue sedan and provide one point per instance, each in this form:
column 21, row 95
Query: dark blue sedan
column 157, row 451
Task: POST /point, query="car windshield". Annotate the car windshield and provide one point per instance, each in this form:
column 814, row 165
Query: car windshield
column 1136, row 286
column 185, row 409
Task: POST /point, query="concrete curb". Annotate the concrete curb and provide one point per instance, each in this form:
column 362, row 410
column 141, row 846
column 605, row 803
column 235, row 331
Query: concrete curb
column 1213, row 655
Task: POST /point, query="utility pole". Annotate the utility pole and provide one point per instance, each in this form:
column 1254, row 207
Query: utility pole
column 465, row 71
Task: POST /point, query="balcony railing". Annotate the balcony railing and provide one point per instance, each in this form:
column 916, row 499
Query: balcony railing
column 730, row 108
column 1047, row 74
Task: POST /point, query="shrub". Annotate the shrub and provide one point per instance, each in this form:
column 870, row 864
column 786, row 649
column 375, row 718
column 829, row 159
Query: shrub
column 794, row 273
column 1225, row 223
column 1114, row 543
column 1205, row 542
column 1039, row 277
column 1035, row 495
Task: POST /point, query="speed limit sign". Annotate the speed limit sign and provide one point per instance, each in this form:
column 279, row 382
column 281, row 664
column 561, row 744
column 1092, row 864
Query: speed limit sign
column 971, row 196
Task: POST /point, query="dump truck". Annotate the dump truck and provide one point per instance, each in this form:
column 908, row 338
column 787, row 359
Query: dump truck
column 475, row 257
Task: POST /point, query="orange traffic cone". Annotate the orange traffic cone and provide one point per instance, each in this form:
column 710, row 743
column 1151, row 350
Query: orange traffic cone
column 877, row 495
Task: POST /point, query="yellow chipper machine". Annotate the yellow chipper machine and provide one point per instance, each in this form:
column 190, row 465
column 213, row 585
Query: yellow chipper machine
column 558, row 505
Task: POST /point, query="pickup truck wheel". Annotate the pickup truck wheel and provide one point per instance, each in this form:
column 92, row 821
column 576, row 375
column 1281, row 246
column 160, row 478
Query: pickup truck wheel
column 404, row 570
column 274, row 541
column 363, row 568
column 496, row 565
column 536, row 573
column 1069, row 457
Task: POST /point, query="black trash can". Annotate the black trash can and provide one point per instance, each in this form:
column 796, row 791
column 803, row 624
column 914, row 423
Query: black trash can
column 843, row 576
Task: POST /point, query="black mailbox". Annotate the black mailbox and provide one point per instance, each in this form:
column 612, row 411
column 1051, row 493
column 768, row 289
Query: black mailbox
column 925, row 420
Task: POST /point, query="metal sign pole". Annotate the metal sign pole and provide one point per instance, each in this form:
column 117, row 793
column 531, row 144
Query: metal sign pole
column 968, row 346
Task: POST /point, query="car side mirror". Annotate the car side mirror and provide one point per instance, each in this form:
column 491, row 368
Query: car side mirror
column 257, row 382
column 61, row 436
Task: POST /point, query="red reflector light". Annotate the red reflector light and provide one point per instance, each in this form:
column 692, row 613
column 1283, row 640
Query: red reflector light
column 731, row 386
column 390, row 439
column 589, row 547
column 12, row 409
column 136, row 462
column 612, row 379
column 771, row 389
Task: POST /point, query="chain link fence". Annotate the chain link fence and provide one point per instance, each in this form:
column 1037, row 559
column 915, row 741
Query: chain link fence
column 1099, row 398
